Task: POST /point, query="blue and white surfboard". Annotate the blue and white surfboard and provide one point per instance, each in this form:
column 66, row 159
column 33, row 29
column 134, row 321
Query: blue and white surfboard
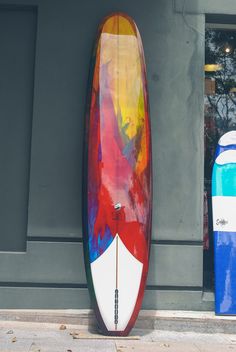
column 226, row 142
column 224, row 224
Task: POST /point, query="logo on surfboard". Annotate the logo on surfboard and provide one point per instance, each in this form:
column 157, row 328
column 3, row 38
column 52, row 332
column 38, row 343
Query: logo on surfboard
column 221, row 222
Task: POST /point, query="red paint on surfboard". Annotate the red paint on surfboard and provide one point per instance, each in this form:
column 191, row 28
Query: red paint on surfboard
column 118, row 178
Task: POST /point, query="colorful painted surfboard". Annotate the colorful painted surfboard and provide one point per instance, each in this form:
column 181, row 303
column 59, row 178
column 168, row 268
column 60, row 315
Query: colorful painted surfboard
column 118, row 196
column 224, row 224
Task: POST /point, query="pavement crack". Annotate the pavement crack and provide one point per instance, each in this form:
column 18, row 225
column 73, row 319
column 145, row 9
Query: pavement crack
column 197, row 347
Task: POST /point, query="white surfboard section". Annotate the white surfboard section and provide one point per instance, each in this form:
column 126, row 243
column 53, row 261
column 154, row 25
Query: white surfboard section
column 229, row 156
column 228, row 139
column 116, row 268
column 224, row 213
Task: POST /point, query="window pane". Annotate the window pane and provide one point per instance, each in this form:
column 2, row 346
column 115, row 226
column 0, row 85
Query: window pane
column 220, row 117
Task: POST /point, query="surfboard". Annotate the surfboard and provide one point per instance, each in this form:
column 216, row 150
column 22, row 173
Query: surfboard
column 117, row 176
column 224, row 224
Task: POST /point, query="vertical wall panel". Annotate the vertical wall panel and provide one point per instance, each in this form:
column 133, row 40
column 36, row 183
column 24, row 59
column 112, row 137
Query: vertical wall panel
column 17, row 43
column 203, row 6
column 57, row 139
column 174, row 51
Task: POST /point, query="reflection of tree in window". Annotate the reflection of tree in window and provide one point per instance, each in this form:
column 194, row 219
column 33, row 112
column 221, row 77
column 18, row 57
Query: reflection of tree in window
column 220, row 89
column 221, row 69
column 220, row 117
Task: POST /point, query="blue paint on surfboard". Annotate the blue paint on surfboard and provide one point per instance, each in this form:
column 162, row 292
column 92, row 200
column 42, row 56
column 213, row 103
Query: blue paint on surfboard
column 224, row 224
column 226, row 142
column 225, row 272
column 222, row 148
column 224, row 180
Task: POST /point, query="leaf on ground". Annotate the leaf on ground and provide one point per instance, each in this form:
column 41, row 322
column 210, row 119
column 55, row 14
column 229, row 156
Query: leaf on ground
column 75, row 336
column 164, row 345
column 68, row 350
column 13, row 339
column 62, row 327
column 10, row 332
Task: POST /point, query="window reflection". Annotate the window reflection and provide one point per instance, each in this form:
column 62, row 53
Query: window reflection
column 220, row 117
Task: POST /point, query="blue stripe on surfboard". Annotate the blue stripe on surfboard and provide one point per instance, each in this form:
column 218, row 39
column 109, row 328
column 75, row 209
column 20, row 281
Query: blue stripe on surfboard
column 225, row 272
column 224, row 180
column 222, row 148
column 97, row 246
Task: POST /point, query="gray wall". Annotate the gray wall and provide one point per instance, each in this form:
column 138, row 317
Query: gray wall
column 50, row 272
column 227, row 7
column 17, row 42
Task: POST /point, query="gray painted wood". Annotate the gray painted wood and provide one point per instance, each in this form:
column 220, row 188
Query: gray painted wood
column 17, row 41
column 62, row 263
column 176, row 300
column 74, row 298
column 175, row 265
column 174, row 57
column 226, row 7
column 43, row 298
column 44, row 262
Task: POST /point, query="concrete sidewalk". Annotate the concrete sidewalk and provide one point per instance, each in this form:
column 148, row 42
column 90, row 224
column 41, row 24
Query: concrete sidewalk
column 188, row 321
column 51, row 337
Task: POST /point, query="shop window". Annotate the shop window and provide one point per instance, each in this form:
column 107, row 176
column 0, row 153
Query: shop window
column 220, row 113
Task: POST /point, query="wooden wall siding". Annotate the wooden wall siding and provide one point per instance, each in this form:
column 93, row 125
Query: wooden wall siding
column 226, row 7
column 71, row 298
column 50, row 274
column 62, row 263
column 17, row 42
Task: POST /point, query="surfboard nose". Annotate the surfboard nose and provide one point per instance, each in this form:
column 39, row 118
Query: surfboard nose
column 119, row 24
column 226, row 142
column 228, row 138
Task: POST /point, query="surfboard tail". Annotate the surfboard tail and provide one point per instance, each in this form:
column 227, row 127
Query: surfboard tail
column 117, row 293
